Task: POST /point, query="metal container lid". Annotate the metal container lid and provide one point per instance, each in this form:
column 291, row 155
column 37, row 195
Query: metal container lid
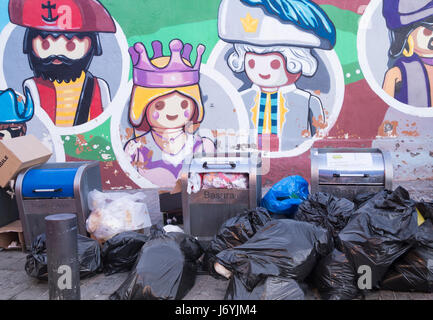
column 349, row 166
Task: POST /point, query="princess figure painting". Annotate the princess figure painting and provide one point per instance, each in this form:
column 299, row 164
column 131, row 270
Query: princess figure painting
column 165, row 111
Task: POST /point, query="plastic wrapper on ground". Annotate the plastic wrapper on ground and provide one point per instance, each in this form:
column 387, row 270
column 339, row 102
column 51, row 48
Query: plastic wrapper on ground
column 271, row 288
column 282, row 248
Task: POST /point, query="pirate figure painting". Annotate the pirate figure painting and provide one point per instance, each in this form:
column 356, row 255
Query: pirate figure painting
column 273, row 43
column 61, row 39
column 14, row 114
column 410, row 76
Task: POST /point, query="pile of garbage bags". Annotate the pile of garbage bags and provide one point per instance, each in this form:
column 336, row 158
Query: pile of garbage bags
column 162, row 264
column 165, row 269
column 265, row 258
column 382, row 246
column 343, row 248
column 285, row 250
column 340, row 247
column 89, row 257
column 234, row 232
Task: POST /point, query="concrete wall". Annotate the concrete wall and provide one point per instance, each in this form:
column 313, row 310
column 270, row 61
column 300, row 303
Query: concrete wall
column 327, row 74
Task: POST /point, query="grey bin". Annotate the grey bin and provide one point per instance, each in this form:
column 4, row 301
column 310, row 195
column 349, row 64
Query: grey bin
column 205, row 211
column 347, row 172
column 55, row 188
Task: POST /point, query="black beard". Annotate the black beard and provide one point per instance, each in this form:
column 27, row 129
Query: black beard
column 69, row 70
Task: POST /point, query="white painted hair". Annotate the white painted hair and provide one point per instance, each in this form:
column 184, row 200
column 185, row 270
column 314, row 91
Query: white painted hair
column 297, row 59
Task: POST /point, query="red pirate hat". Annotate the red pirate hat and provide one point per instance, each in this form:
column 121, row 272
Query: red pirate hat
column 61, row 15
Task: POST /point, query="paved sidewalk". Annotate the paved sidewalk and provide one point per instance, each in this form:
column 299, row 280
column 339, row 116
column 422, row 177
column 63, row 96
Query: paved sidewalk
column 16, row 285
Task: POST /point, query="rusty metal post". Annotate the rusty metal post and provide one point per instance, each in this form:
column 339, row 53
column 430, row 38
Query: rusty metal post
column 62, row 257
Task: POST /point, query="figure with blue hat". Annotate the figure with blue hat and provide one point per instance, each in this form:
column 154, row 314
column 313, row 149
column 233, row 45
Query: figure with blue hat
column 410, row 76
column 14, row 113
column 273, row 42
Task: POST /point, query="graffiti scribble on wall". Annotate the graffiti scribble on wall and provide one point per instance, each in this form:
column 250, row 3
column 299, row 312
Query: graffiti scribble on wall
column 273, row 44
column 165, row 111
column 61, row 39
column 410, row 76
column 14, row 114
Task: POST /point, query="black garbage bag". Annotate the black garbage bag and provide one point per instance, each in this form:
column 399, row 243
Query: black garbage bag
column 414, row 271
column 89, row 257
column 121, row 251
column 362, row 198
column 190, row 247
column 326, row 211
column 234, row 232
column 335, row 278
column 282, row 248
column 425, row 209
column 165, row 269
column 36, row 261
column 270, row 288
column 381, row 230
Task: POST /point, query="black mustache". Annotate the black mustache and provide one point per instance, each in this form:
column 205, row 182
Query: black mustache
column 63, row 59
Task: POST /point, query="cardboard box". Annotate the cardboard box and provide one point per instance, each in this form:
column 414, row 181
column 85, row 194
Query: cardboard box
column 12, row 237
column 18, row 154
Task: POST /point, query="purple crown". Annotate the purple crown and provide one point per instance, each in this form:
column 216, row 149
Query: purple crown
column 175, row 74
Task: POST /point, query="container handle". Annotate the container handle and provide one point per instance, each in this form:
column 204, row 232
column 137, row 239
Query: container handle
column 351, row 175
column 219, row 166
column 47, row 190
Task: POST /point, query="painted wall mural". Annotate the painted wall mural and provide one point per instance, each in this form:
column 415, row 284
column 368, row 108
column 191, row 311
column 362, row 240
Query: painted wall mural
column 138, row 87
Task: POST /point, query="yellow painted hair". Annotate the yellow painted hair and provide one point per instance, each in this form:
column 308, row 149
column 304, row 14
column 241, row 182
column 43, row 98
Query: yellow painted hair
column 142, row 97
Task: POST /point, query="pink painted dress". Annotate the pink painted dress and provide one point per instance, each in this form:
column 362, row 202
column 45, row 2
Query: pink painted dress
column 156, row 165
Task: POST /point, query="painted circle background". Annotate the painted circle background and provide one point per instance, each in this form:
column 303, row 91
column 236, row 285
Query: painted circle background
column 373, row 46
column 219, row 97
column 329, row 79
column 15, row 69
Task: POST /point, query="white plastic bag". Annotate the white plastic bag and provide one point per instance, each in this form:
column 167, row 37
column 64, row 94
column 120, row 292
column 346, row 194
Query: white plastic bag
column 113, row 213
column 194, row 183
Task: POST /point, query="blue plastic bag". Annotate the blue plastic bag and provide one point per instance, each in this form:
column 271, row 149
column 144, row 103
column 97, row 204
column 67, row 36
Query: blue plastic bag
column 286, row 195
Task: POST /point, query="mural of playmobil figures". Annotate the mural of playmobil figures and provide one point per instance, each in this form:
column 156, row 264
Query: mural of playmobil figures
column 14, row 113
column 61, row 39
column 166, row 107
column 273, row 42
column 410, row 76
